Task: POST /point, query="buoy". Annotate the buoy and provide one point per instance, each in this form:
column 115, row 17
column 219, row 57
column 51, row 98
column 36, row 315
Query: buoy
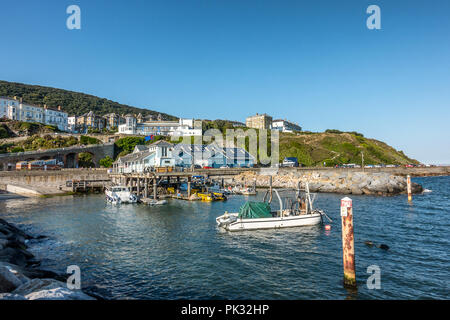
column 327, row 227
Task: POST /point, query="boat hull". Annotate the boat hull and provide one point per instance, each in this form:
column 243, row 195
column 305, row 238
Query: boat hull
column 271, row 223
column 120, row 197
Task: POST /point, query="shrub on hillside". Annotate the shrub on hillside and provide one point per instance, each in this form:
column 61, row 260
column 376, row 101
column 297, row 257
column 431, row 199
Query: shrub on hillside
column 89, row 140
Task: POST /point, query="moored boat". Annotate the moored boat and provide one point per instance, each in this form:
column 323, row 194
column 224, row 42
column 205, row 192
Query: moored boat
column 211, row 196
column 259, row 215
column 153, row 202
column 120, row 194
column 244, row 190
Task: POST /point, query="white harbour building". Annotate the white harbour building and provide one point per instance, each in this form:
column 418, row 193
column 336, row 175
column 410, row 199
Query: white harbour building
column 164, row 154
column 285, row 126
column 182, row 127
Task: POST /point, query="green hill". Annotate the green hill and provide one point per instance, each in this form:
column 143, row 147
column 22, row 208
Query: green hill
column 74, row 103
column 312, row 149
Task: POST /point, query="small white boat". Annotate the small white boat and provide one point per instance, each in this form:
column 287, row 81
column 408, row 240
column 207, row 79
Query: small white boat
column 246, row 191
column 120, row 194
column 258, row 215
column 153, row 202
column 216, row 188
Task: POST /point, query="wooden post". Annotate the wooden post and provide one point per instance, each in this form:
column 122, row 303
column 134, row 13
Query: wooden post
column 154, row 188
column 408, row 187
column 138, row 186
column 189, row 187
column 270, row 189
column 254, row 185
column 348, row 248
column 146, row 187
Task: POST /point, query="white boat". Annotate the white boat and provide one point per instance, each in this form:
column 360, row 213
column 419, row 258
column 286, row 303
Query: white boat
column 246, row 191
column 216, row 188
column 120, row 194
column 153, row 202
column 258, row 215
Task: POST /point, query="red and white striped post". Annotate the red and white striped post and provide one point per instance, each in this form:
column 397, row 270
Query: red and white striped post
column 348, row 248
column 408, row 187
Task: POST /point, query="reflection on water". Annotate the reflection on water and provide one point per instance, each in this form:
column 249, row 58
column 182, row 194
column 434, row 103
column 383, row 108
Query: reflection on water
column 175, row 251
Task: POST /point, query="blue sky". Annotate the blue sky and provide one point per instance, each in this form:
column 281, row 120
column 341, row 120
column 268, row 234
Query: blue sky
column 313, row 62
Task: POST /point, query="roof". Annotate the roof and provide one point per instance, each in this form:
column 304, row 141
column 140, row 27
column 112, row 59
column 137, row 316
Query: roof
column 137, row 156
column 212, row 149
column 140, row 147
column 161, row 143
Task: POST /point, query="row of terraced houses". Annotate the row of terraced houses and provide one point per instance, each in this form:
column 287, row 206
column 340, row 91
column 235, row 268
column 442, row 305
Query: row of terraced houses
column 16, row 109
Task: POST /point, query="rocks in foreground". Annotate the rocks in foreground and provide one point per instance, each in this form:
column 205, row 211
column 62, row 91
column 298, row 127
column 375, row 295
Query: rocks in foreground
column 20, row 279
column 351, row 182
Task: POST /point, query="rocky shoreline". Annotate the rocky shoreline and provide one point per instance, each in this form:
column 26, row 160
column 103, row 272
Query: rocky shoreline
column 351, row 182
column 20, row 275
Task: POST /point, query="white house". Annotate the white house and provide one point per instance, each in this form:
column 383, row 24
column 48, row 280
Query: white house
column 211, row 155
column 9, row 108
column 144, row 158
column 56, row 117
column 285, row 126
column 15, row 109
column 164, row 154
column 72, row 124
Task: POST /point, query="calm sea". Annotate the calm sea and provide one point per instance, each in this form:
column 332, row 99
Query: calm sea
column 176, row 251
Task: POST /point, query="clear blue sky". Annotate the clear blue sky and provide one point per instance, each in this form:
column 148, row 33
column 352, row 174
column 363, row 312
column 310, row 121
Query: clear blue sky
column 313, row 62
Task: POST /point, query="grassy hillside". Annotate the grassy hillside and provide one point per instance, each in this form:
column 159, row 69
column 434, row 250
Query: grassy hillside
column 44, row 142
column 11, row 128
column 312, row 149
column 74, row 103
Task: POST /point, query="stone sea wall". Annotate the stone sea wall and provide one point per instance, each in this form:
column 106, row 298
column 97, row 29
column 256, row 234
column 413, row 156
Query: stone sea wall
column 345, row 182
column 20, row 275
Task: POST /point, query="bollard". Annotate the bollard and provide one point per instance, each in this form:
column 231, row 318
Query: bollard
column 408, row 187
column 348, row 248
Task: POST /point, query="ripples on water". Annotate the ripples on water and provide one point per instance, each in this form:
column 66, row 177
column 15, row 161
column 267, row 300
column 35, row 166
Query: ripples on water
column 176, row 252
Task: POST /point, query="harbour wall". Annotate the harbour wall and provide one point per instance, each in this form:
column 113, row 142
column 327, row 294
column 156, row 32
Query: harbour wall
column 331, row 181
column 46, row 182
column 342, row 180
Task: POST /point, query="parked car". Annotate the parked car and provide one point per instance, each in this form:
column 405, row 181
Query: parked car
column 290, row 162
column 207, row 167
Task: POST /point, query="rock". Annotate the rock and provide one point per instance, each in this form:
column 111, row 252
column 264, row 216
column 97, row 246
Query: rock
column 43, row 273
column 49, row 289
column 58, row 294
column 368, row 243
column 359, row 182
column 356, row 190
column 14, row 256
column 10, row 296
column 3, row 243
column 416, row 188
column 14, row 229
column 8, row 280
